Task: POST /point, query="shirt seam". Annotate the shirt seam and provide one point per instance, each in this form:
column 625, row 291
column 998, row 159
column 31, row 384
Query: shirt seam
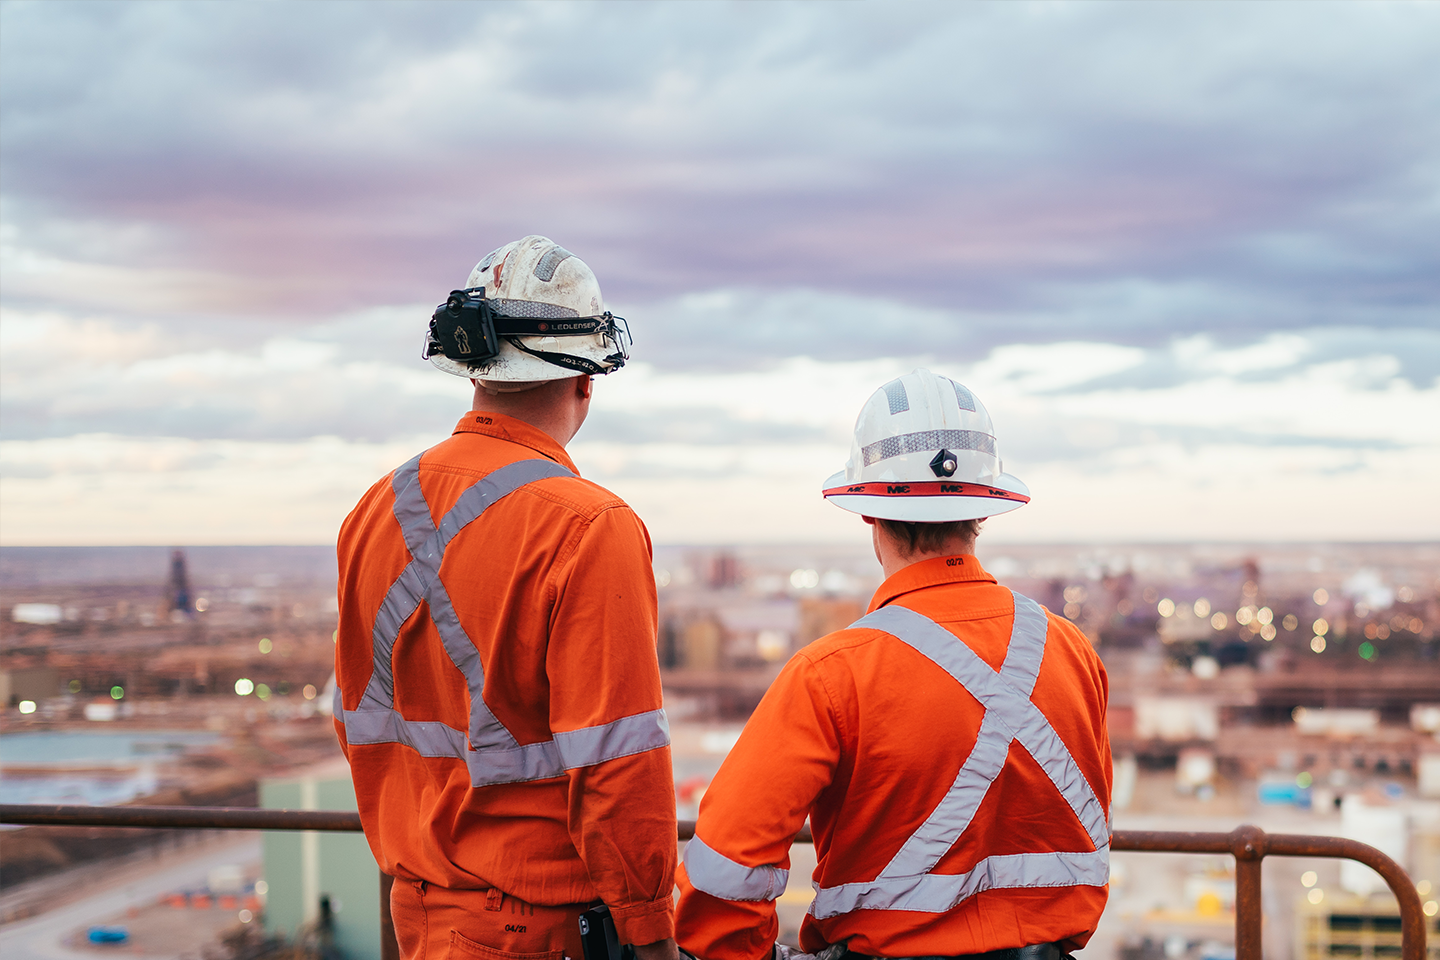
column 835, row 717
column 563, row 555
column 588, row 511
column 870, row 635
column 566, row 552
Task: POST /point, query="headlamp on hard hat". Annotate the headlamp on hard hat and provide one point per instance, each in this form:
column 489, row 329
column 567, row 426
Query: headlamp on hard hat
column 468, row 328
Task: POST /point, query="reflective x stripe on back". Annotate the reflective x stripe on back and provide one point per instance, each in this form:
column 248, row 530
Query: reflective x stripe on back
column 906, row 883
column 492, row 754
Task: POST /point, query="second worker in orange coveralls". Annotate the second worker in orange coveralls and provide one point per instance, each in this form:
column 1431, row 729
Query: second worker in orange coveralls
column 949, row 748
column 498, row 695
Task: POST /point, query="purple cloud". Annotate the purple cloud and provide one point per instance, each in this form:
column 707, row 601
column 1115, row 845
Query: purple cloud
column 1013, row 163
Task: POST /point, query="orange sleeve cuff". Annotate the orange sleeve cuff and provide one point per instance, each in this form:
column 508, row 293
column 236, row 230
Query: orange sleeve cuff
column 642, row 923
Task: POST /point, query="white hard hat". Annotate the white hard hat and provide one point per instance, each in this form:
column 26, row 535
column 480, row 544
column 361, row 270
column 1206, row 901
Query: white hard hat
column 530, row 289
column 924, row 451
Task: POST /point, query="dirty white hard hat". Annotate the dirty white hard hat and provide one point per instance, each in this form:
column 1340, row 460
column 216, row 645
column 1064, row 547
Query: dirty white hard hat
column 925, row 451
column 540, row 282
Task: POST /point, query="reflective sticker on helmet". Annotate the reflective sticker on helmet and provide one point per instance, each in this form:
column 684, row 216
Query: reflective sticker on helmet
column 484, row 265
column 964, row 397
column 926, row 440
column 546, row 265
column 532, row 309
column 895, row 393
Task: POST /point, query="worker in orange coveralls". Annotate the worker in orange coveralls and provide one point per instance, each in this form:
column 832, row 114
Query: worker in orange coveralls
column 498, row 695
column 949, row 747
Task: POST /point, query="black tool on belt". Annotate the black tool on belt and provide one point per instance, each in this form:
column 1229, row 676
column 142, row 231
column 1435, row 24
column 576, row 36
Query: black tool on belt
column 598, row 937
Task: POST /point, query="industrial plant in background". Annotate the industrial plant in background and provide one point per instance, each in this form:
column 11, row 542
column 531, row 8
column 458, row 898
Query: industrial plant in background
column 180, row 602
column 1295, row 687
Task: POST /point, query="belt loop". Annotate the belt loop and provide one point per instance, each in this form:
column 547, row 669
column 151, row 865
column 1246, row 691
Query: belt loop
column 420, row 886
column 493, row 898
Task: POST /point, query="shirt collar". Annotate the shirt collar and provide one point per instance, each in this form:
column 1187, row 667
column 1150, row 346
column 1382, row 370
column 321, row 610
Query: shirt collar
column 929, row 573
column 504, row 427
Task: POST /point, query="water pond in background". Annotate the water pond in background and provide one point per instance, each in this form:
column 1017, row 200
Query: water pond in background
column 33, row 765
column 120, row 749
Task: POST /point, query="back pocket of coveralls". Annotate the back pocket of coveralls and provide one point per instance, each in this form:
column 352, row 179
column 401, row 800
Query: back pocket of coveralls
column 463, row 946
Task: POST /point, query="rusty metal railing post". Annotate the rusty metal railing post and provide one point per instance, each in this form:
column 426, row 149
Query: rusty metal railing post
column 389, row 946
column 1412, row 915
column 1248, row 845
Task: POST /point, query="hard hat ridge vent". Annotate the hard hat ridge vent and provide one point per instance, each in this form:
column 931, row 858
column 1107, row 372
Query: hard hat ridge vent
column 549, row 261
column 895, row 393
column 963, row 396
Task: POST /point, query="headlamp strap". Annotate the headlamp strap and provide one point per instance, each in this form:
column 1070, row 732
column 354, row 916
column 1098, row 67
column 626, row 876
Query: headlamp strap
column 563, row 327
column 578, row 364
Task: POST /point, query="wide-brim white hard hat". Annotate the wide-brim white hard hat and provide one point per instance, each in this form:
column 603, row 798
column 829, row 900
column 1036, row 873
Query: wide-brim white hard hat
column 536, row 277
column 924, row 451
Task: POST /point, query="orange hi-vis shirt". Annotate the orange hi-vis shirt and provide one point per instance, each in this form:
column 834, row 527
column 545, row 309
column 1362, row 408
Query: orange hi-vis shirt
column 498, row 693
column 950, row 751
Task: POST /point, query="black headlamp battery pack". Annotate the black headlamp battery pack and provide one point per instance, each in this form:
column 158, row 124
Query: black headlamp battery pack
column 464, row 327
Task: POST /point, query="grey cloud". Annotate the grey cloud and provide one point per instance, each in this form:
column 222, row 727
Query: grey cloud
column 1415, row 352
column 360, row 378
column 1001, row 162
column 753, row 327
column 362, row 418
column 1094, row 443
column 260, row 408
column 25, row 471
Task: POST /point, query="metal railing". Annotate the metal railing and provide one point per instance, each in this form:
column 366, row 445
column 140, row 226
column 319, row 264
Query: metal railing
column 1248, row 845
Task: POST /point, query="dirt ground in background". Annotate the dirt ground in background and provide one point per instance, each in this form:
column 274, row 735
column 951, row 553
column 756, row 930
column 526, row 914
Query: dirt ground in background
column 162, row 930
column 34, row 897
column 157, row 929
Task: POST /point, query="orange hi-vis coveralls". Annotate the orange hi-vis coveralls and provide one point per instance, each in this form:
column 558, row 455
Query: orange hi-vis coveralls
column 950, row 751
column 498, row 698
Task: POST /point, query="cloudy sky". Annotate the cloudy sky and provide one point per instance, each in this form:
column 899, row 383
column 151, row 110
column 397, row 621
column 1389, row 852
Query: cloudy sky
column 1188, row 255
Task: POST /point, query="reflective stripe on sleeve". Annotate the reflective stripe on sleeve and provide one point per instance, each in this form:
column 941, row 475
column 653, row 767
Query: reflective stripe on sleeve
column 492, row 753
column 609, row 741
column 570, row 750
column 719, row 876
column 427, row 738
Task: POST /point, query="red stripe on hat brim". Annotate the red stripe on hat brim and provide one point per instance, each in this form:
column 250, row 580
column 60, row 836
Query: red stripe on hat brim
column 925, row 488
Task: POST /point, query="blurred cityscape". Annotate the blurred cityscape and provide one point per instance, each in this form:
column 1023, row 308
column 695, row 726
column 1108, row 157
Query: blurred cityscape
column 1296, row 687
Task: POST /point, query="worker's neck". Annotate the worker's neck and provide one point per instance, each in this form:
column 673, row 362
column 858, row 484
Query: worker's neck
column 557, row 408
column 893, row 558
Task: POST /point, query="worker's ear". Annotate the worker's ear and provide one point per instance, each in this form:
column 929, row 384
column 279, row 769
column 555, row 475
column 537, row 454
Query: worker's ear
column 869, row 520
column 584, row 387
